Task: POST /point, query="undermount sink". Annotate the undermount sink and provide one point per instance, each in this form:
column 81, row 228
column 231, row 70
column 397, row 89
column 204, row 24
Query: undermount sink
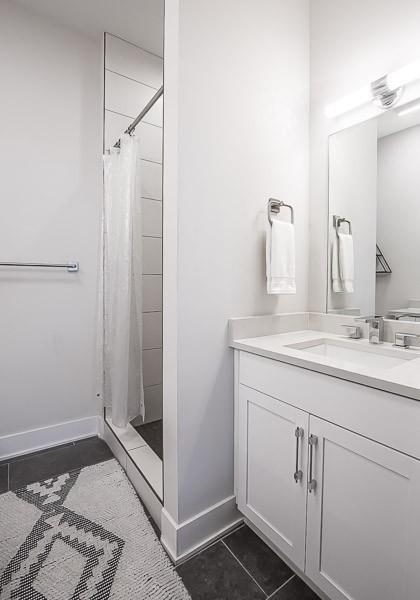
column 370, row 356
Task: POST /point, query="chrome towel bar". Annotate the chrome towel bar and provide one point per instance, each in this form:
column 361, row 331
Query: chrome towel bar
column 274, row 206
column 337, row 222
column 72, row 267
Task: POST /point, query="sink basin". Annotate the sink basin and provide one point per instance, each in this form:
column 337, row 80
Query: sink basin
column 375, row 357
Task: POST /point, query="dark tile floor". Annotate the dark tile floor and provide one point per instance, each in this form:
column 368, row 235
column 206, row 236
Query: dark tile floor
column 152, row 433
column 241, row 567
column 22, row 470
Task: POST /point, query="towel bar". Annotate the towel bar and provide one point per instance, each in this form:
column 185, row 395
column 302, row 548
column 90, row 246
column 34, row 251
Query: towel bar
column 337, row 222
column 274, row 206
column 71, row 267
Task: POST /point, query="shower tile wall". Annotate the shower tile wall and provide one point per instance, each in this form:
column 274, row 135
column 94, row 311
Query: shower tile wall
column 132, row 77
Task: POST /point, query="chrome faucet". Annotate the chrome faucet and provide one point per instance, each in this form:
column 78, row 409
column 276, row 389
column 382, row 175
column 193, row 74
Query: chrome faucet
column 404, row 340
column 376, row 328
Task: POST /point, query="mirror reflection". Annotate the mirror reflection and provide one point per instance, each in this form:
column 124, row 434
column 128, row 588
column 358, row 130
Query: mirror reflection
column 374, row 211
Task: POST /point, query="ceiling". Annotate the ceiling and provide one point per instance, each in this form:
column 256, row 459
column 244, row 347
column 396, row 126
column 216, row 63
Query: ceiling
column 137, row 21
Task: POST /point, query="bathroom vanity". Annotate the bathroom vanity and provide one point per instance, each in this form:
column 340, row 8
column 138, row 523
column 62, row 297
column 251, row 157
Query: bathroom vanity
column 327, row 459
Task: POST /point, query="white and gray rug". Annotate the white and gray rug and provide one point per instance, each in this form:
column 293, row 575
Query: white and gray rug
column 82, row 536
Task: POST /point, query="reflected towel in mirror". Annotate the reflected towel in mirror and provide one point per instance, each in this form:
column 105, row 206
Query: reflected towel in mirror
column 342, row 268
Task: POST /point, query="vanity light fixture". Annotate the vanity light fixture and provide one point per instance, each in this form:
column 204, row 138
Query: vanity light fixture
column 384, row 92
column 408, row 109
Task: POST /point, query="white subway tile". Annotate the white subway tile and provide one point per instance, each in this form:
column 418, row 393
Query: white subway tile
column 153, row 401
column 155, row 114
column 152, row 256
column 150, row 136
column 114, row 126
column 152, row 330
column 152, row 293
column 150, row 177
column 129, row 97
column 152, row 217
column 131, row 61
column 150, row 141
column 152, row 367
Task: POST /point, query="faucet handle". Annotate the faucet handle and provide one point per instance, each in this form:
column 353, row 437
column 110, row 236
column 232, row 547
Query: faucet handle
column 404, row 340
column 353, row 331
column 370, row 318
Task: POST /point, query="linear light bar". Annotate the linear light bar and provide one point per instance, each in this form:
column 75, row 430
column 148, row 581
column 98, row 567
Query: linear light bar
column 393, row 82
column 404, row 76
column 409, row 109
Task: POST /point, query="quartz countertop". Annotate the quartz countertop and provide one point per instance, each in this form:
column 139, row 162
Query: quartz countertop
column 403, row 379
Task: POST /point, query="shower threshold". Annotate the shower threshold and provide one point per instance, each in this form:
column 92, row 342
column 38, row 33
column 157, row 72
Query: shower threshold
column 142, row 448
column 153, row 434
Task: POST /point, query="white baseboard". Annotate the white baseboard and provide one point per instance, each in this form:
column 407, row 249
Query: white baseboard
column 181, row 540
column 25, row 442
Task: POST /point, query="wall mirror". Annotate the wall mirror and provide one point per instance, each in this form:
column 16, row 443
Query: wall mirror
column 374, row 217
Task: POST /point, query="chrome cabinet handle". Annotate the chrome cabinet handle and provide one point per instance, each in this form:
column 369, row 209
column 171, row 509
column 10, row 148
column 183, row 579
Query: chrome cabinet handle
column 298, row 474
column 312, row 441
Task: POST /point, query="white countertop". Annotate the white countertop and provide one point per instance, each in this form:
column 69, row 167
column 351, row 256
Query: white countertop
column 403, row 379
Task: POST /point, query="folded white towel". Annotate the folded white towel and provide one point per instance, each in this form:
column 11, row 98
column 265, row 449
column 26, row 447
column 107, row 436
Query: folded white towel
column 346, row 260
column 335, row 267
column 280, row 258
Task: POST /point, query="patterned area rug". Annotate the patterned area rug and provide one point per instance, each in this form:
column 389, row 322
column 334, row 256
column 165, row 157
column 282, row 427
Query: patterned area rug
column 81, row 536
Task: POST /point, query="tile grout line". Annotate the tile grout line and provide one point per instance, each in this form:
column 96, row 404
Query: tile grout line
column 115, row 112
column 208, row 546
column 244, row 568
column 133, row 44
column 186, row 560
column 152, row 87
column 233, row 531
column 282, row 586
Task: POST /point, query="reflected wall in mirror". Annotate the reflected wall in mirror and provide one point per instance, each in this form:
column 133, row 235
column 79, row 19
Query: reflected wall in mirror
column 374, row 217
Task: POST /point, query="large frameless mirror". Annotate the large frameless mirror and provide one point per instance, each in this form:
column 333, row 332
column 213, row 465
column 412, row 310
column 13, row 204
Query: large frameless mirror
column 374, row 217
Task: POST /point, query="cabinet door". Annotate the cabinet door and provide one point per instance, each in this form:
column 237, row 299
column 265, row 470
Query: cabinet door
column 363, row 518
column 269, row 494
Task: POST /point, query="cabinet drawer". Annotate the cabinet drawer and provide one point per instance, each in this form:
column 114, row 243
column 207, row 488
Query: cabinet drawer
column 381, row 416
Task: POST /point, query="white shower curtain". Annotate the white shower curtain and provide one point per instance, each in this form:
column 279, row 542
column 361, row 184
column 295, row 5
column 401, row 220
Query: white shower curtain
column 123, row 285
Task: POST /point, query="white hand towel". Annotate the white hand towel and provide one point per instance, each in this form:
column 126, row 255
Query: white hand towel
column 346, row 261
column 335, row 268
column 280, row 258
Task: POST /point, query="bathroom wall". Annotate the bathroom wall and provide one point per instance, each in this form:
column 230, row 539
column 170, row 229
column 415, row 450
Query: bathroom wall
column 352, row 43
column 399, row 218
column 132, row 77
column 51, row 175
column 236, row 133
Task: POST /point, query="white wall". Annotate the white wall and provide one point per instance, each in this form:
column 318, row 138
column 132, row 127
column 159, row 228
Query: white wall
column 399, row 218
column 236, row 133
column 352, row 43
column 352, row 195
column 132, row 77
column 50, row 156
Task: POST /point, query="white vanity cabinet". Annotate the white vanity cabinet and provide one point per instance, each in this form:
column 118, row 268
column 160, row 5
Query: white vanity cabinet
column 363, row 520
column 272, row 466
column 356, row 534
